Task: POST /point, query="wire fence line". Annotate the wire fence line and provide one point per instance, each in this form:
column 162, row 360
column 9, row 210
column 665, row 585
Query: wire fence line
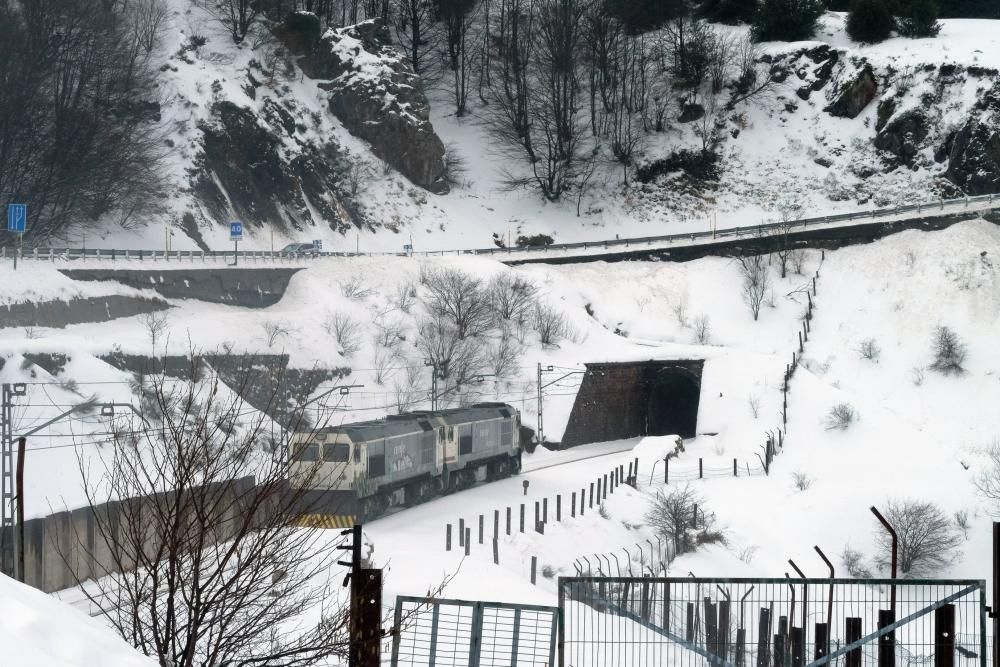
column 926, row 209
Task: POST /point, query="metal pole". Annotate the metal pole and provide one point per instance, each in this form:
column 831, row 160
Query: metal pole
column 541, row 438
column 895, row 551
column 6, row 479
column 19, row 485
column 833, row 574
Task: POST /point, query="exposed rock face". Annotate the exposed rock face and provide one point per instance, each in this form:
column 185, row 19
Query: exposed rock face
column 300, row 31
column 378, row 97
column 242, row 174
column 903, row 135
column 854, row 95
column 974, row 151
column 691, row 112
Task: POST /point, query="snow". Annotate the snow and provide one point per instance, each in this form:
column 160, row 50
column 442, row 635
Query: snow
column 36, row 629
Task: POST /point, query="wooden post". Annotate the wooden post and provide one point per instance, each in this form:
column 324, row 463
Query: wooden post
column 689, row 627
column 763, row 638
column 461, row 532
column 538, row 512
column 558, row 508
column 735, row 474
column 447, row 538
column 572, row 505
column 545, row 510
column 468, row 541
column 496, row 551
column 711, row 628
column 779, row 651
column 522, row 517
column 944, row 636
column 508, row 520
column 496, row 524
column 800, row 341
column 481, row 528
column 591, row 503
column 583, row 500
column 741, row 640
column 822, row 641
column 534, row 565
column 723, row 637
column 666, row 471
column 701, row 470
column 852, row 627
column 887, row 642
column 644, row 604
column 798, row 646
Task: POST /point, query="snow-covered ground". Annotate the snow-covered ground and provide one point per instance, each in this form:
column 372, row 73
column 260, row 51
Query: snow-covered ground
column 920, row 434
column 36, row 630
column 769, row 170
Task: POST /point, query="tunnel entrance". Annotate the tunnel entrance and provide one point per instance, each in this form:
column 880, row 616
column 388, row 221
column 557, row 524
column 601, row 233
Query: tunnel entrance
column 630, row 399
column 673, row 405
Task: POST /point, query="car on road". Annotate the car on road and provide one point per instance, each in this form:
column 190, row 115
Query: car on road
column 300, row 249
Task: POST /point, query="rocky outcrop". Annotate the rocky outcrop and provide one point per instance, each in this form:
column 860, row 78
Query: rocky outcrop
column 377, row 96
column 243, row 173
column 974, row 151
column 903, row 135
column 300, row 32
column 854, row 95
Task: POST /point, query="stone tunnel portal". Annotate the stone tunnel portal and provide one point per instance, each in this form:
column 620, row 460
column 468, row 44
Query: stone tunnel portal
column 630, row 399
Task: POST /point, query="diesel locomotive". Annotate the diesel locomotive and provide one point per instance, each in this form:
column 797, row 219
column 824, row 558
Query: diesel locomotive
column 355, row 472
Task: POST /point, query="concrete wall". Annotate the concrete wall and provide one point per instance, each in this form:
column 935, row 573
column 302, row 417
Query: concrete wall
column 65, row 548
column 614, row 399
column 59, row 314
column 249, row 288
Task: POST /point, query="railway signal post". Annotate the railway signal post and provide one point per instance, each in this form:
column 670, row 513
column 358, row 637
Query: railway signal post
column 365, row 611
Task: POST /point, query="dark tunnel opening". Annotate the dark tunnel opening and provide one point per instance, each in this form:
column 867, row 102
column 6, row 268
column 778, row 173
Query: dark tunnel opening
column 673, row 405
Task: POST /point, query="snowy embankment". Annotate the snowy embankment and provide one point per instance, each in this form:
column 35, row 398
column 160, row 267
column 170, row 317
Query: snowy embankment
column 36, row 630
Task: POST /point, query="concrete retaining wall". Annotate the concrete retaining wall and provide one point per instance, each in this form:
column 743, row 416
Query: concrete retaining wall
column 58, row 314
column 249, row 288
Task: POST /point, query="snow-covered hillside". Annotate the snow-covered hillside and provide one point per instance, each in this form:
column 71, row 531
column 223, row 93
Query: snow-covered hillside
column 37, row 630
column 782, row 155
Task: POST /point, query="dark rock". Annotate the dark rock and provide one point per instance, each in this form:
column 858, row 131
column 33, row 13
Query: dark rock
column 804, row 92
column 941, row 152
column 974, row 159
column 791, row 107
column 383, row 103
column 903, row 135
column 821, row 53
column 823, row 162
column 886, row 108
column 300, row 32
column 778, row 73
column 854, row 95
column 691, row 112
column 735, row 132
column 825, row 71
column 278, row 116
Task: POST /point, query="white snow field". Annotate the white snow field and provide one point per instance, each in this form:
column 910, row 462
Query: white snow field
column 36, row 630
column 920, row 434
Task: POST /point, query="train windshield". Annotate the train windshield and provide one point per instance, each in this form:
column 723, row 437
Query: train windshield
column 339, row 453
column 307, row 452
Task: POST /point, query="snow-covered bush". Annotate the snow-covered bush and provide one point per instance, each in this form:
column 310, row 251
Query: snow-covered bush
column 273, row 330
column 345, row 331
column 949, row 351
column 702, row 330
column 854, row 563
column 756, row 281
column 511, row 295
column 355, row 289
column 869, row 349
column 802, row 481
column 928, row 540
column 840, row 417
column 550, row 325
column 461, row 298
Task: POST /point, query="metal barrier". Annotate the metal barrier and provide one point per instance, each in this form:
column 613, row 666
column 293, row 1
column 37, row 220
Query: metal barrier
column 928, row 209
column 457, row 633
column 691, row 622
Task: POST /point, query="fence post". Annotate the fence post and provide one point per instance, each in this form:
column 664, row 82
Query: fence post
column 508, row 520
column 887, row 642
column 559, row 513
column 666, row 471
column 447, row 538
column 944, row 636
column 583, row 501
column 461, row 532
column 496, row 551
column 798, row 646
column 734, row 469
column 496, row 524
column 701, row 472
column 545, row 510
column 522, row 517
column 852, row 626
column 572, row 507
column 468, row 541
column 538, row 513
column 591, row 503
column 534, row 564
column 800, row 341
column 481, row 528
column 764, row 638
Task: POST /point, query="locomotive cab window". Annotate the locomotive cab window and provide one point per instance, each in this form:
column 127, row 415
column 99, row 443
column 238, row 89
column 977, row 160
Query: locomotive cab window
column 307, row 452
column 464, row 439
column 376, row 458
column 339, row 453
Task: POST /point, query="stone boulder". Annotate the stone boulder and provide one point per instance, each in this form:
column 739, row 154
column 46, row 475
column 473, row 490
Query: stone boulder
column 854, row 95
column 903, row 135
column 974, row 151
column 377, row 96
column 300, row 32
column 691, row 112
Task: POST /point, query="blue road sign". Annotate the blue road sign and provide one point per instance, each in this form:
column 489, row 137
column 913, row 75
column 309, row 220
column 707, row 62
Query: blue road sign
column 235, row 230
column 17, row 218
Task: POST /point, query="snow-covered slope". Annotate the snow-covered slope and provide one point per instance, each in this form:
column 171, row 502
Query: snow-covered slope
column 36, row 629
column 781, row 155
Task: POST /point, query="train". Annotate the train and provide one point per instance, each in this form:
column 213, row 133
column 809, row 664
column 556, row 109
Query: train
column 355, row 472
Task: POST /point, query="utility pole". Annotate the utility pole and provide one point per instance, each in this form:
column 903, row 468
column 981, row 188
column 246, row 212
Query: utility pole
column 541, row 433
column 7, row 393
column 19, row 485
column 364, row 620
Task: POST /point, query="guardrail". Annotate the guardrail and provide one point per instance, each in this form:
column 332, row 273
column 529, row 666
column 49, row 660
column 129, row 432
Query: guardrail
column 909, row 211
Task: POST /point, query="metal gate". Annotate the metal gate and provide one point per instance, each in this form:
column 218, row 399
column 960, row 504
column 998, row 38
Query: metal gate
column 696, row 622
column 457, row 633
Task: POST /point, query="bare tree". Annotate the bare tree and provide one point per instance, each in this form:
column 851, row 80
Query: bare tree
column 408, row 392
column 869, row 349
column 457, row 360
column 679, row 516
column 707, row 127
column 511, row 295
column 458, row 18
column 418, row 34
column 148, row 18
column 273, row 330
column 550, row 325
column 756, row 280
column 346, row 331
column 702, row 330
column 797, row 257
column 385, row 362
column 200, row 563
column 460, row 297
column 390, row 333
column 988, row 480
column 754, row 402
column 156, row 323
column 928, row 540
column 355, row 289
column 680, row 309
column 949, row 351
column 357, row 172
column 721, row 57
column 238, row 16
column 754, row 78
column 406, row 296
column 503, row 355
